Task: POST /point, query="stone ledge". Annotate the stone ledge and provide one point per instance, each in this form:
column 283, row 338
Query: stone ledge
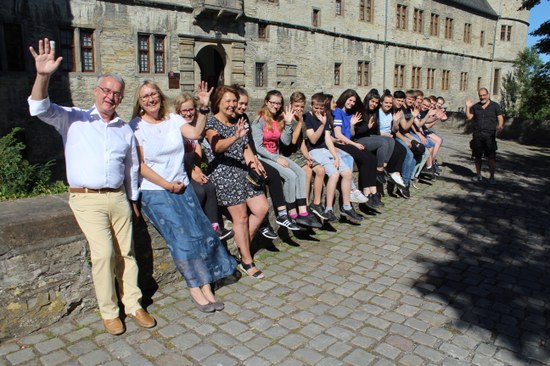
column 45, row 269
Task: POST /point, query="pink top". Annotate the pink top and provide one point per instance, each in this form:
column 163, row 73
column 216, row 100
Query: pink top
column 271, row 138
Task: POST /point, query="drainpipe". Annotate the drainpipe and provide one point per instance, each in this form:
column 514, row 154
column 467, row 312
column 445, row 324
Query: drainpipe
column 385, row 44
column 492, row 77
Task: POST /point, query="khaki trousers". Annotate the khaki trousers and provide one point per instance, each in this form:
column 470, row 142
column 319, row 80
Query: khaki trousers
column 106, row 221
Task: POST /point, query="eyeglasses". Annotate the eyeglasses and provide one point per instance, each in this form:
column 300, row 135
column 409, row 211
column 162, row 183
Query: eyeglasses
column 482, row 95
column 186, row 111
column 153, row 95
column 274, row 103
column 107, row 92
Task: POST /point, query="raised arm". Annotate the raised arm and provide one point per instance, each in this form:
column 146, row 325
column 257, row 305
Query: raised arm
column 195, row 132
column 46, row 65
column 469, row 114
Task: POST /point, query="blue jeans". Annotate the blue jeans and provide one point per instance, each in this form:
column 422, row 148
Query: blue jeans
column 408, row 165
column 195, row 247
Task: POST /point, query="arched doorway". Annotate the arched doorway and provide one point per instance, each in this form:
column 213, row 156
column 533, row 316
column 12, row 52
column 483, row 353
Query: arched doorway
column 212, row 65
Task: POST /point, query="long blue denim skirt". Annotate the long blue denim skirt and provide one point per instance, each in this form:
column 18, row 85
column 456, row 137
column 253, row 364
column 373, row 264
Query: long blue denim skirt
column 197, row 251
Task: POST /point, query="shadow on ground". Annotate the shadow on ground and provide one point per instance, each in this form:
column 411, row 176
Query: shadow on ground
column 499, row 277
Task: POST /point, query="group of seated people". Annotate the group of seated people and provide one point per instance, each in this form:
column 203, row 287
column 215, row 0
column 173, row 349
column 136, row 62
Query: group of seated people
column 209, row 153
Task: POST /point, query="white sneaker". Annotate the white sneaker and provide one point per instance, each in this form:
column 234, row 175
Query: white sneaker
column 396, row 177
column 357, row 197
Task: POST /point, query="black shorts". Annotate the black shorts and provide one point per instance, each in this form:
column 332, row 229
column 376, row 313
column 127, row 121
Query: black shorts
column 484, row 145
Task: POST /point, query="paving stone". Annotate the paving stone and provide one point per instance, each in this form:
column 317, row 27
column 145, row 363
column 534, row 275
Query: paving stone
column 387, row 350
column 94, row 358
column 59, row 357
column 21, row 357
column 49, row 345
column 8, row 348
column 359, row 357
column 77, row 335
column 411, row 360
column 429, row 353
column 82, row 347
column 308, row 356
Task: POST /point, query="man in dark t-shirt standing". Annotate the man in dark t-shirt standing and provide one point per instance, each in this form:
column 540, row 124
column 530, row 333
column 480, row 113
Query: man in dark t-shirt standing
column 487, row 119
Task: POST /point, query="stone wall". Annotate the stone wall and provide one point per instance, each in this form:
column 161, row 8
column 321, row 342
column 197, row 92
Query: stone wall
column 45, row 267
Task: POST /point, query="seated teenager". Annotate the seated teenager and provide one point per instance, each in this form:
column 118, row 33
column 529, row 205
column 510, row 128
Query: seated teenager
column 322, row 150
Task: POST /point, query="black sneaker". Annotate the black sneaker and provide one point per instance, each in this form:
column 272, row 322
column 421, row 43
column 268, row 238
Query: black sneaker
column 224, row 233
column 318, row 210
column 427, row 173
column 268, row 232
column 372, row 202
column 378, row 199
column 437, row 168
column 286, row 221
column 351, row 214
column 404, row 192
column 381, row 176
column 308, row 221
column 330, row 217
column 391, row 188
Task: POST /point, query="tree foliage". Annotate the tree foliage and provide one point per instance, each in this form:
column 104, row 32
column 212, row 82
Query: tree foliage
column 526, row 92
column 543, row 44
column 19, row 178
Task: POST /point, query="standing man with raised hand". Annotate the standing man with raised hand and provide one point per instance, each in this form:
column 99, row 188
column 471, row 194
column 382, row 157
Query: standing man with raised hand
column 487, row 118
column 102, row 171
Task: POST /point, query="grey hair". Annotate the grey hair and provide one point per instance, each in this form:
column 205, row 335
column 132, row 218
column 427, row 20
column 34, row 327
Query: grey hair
column 117, row 77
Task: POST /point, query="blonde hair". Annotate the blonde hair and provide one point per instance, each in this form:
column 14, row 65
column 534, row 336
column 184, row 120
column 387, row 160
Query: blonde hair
column 138, row 111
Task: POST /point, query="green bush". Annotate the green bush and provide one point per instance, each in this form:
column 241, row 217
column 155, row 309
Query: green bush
column 19, row 178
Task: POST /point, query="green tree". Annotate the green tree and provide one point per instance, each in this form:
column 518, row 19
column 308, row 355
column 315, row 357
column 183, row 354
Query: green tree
column 526, row 92
column 542, row 45
column 19, row 178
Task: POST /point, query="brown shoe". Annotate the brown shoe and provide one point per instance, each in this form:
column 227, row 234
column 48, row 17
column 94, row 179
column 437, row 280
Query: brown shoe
column 143, row 319
column 113, row 326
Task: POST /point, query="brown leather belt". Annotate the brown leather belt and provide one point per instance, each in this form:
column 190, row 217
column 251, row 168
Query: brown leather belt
column 90, row 190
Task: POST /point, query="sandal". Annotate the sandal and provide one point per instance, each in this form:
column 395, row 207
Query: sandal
column 246, row 267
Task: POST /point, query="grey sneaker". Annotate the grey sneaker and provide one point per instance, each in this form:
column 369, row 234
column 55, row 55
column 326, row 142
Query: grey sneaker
column 492, row 181
column 351, row 214
column 477, row 178
column 330, row 216
column 318, row 210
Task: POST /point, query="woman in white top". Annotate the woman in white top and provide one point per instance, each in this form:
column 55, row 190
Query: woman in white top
column 168, row 200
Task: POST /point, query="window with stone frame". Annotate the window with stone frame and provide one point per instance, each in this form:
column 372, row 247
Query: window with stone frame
column 261, row 75
column 262, row 31
column 418, row 21
column 482, row 39
column 366, row 10
column 430, row 79
column 445, row 79
column 338, row 10
column 87, row 59
column 151, row 48
column 316, row 17
column 399, row 76
column 66, row 49
column 434, row 25
column 401, row 17
column 506, row 33
column 449, row 25
column 467, row 33
column 496, row 82
column 337, row 73
column 463, row 81
column 416, row 77
column 363, row 73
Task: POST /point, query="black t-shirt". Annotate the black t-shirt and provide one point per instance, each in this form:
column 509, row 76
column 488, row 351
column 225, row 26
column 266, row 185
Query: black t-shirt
column 485, row 119
column 313, row 122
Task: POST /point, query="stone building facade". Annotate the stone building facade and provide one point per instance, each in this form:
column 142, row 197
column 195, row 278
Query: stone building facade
column 447, row 48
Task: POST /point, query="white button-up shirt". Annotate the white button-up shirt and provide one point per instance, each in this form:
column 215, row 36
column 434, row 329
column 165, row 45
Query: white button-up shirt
column 97, row 154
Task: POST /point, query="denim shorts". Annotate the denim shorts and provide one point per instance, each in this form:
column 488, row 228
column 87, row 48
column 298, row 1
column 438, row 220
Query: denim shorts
column 325, row 158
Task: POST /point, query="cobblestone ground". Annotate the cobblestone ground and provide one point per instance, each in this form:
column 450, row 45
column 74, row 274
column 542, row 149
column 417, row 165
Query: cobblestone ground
column 457, row 275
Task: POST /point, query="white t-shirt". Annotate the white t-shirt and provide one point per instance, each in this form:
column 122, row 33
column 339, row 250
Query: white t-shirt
column 163, row 149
